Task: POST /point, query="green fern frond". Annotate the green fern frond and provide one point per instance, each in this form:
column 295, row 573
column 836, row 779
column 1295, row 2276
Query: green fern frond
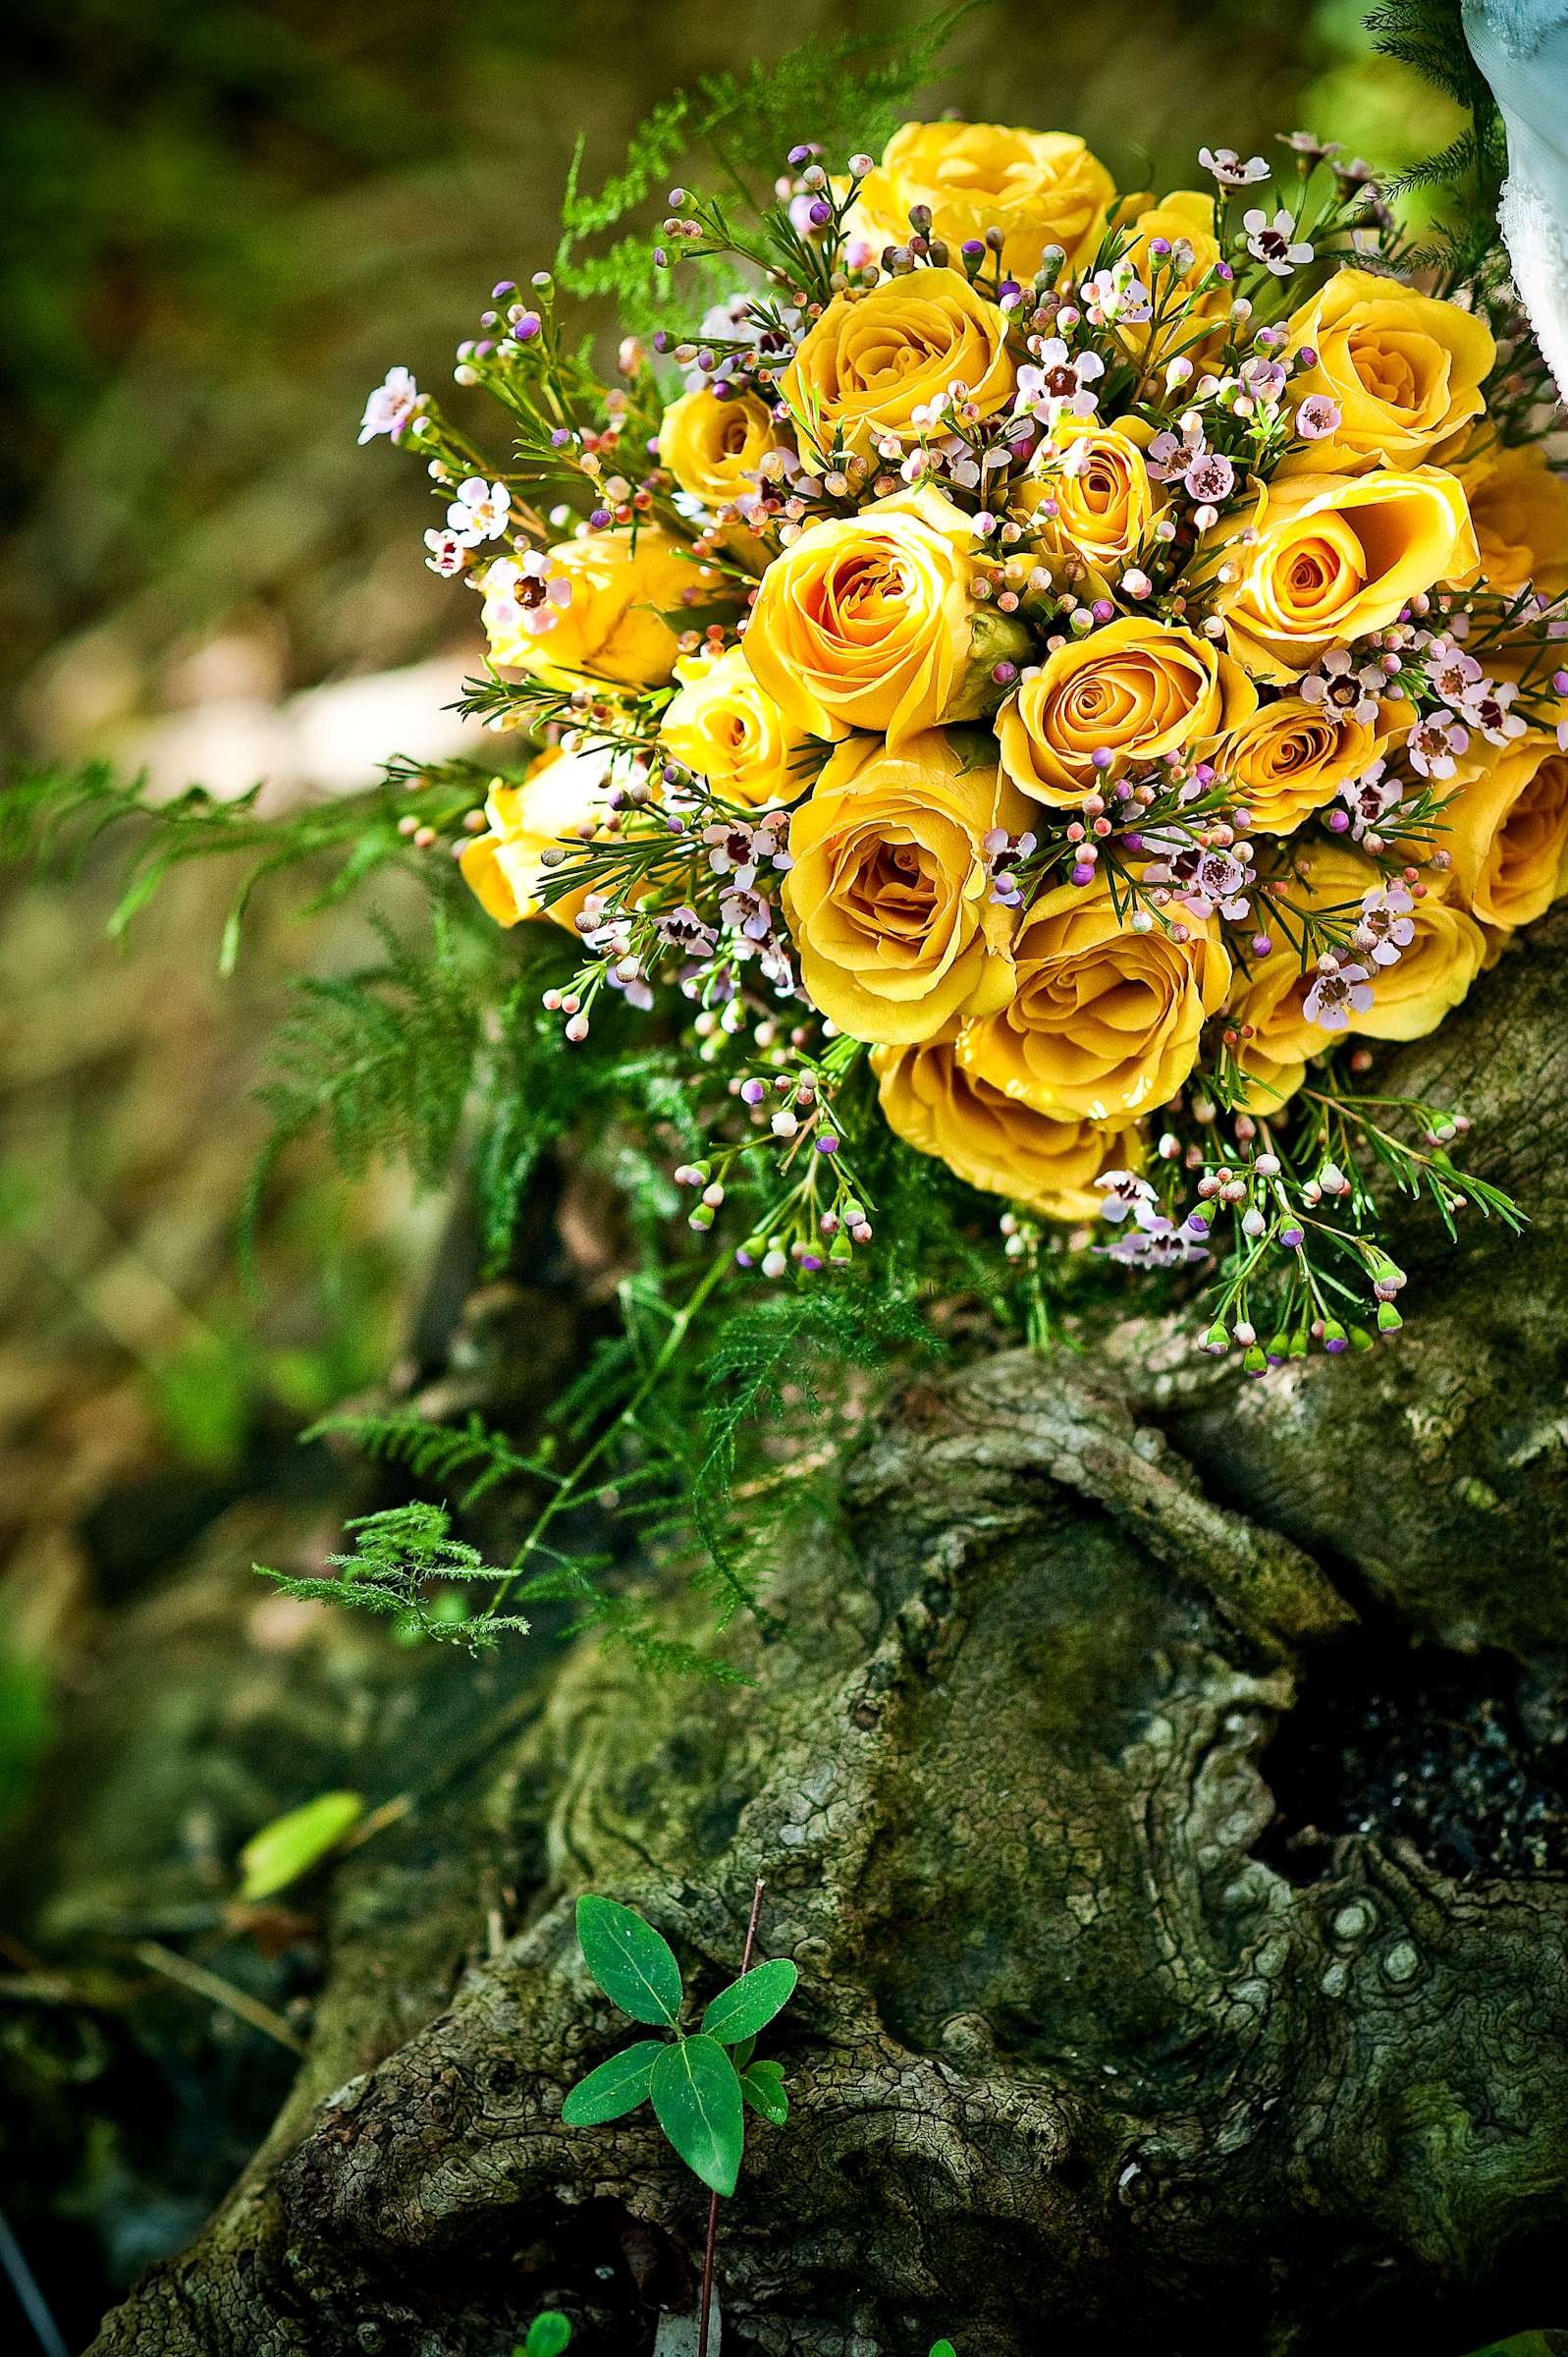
column 380, row 1061
column 403, row 1559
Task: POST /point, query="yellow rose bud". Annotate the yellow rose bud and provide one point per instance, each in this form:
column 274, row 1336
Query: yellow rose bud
column 994, row 1141
column 1337, row 557
column 1519, row 506
column 563, row 798
column 713, row 448
column 1135, row 689
column 1410, row 997
column 1103, row 1023
column 625, row 614
column 866, row 621
column 890, row 897
column 1507, row 831
column 872, row 360
column 1289, row 758
column 1096, row 479
column 1403, row 369
column 723, row 726
column 1039, row 188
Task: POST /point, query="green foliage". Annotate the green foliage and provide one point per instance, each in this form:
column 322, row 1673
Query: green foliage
column 1428, row 37
column 634, row 1967
column 697, row 2102
column 698, row 2090
column 548, row 2336
column 294, row 1842
column 403, row 1559
column 53, row 818
column 380, row 1061
column 849, row 91
column 748, row 2005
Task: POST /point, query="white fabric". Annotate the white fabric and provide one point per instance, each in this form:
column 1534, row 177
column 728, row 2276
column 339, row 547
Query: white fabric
column 1521, row 48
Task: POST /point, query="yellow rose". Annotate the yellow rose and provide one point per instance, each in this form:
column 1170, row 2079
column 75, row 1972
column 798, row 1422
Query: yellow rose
column 1507, row 831
column 890, row 897
column 1337, row 557
column 1410, row 997
column 616, row 626
column 1186, row 217
column 713, row 448
column 1289, row 758
column 1040, row 188
column 724, row 727
column 563, row 798
column 1136, row 689
column 866, row 621
column 873, row 360
column 1089, row 493
column 995, row 1141
column 1403, row 369
column 1519, row 507
column 1103, row 1021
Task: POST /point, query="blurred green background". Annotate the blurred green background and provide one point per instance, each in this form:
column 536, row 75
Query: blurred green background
column 223, row 221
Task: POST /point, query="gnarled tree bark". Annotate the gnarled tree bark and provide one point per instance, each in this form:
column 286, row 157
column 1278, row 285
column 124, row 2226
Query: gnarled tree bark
column 1089, row 2037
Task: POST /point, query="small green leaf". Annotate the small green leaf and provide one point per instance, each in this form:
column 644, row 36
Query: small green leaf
column 698, row 2097
column 942, row 2348
column 635, row 1968
column 616, row 2086
column 548, row 2334
column 292, row 1843
column 764, row 2089
column 740, row 2055
column 748, row 2005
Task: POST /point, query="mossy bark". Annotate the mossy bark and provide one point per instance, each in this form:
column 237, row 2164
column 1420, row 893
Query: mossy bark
column 1079, row 2046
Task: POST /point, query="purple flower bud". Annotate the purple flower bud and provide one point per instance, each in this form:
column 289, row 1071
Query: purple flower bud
column 527, row 327
column 743, row 1259
column 973, row 249
column 798, row 156
column 1160, row 247
column 1261, row 944
column 1103, row 609
column 1338, row 821
column 1292, row 1237
column 819, row 214
column 827, row 1143
column 1083, row 873
column 753, row 1091
column 660, row 339
column 660, row 260
column 810, row 1263
column 506, row 286
column 1005, row 673
column 600, row 518
column 560, row 437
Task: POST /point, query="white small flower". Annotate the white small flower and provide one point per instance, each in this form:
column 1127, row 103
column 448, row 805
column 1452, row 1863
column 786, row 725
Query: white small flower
column 1274, row 243
column 1387, row 926
column 1123, row 1191
column 1337, row 992
column 1227, row 168
column 392, row 406
column 481, row 511
column 1434, row 743
column 448, row 554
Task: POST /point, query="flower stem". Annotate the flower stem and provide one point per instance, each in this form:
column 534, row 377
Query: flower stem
column 713, row 2206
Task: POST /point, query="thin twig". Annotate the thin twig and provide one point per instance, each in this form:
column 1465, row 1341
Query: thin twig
column 24, row 2283
column 713, row 2206
column 202, row 1983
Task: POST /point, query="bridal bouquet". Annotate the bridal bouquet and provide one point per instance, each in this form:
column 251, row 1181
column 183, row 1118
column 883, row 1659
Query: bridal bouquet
column 1045, row 673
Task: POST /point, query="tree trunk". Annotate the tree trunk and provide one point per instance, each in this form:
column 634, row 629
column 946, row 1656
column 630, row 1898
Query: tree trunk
column 1158, row 1779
